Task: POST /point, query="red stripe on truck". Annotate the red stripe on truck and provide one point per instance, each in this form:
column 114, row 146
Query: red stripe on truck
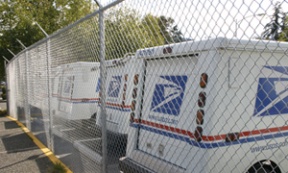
column 211, row 138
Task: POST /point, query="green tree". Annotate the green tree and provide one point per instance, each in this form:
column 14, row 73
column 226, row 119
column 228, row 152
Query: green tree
column 127, row 31
column 3, row 95
column 121, row 33
column 273, row 29
column 17, row 16
column 72, row 10
column 283, row 36
column 153, row 30
column 169, row 30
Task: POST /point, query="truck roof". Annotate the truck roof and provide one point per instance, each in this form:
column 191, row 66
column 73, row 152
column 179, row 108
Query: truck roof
column 191, row 47
column 76, row 64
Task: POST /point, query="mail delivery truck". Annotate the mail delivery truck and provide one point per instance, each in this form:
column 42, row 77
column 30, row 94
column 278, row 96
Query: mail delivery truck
column 119, row 93
column 75, row 96
column 77, row 90
column 216, row 105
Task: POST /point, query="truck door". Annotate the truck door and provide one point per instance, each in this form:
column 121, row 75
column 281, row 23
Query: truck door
column 66, row 89
column 164, row 123
column 114, row 96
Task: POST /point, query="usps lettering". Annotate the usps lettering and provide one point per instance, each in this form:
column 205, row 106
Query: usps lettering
column 114, row 86
column 168, row 95
column 272, row 92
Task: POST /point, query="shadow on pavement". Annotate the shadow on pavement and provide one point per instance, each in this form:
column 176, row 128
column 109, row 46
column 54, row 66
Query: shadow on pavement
column 21, row 115
column 10, row 125
column 18, row 142
column 43, row 164
column 38, row 125
column 18, row 152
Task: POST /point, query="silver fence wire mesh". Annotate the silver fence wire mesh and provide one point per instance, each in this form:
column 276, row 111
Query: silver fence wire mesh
column 161, row 86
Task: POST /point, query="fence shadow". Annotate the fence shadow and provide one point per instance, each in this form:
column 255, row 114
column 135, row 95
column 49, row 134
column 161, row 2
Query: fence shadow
column 10, row 125
column 21, row 115
column 17, row 142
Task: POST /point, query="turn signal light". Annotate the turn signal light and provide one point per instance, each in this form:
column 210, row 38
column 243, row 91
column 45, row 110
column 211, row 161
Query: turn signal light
column 167, row 50
column 198, row 134
column 203, row 80
column 125, row 87
column 200, row 115
column 123, row 104
column 230, row 137
column 202, row 99
column 132, row 117
column 134, row 94
column 136, row 79
column 124, row 96
column 133, row 105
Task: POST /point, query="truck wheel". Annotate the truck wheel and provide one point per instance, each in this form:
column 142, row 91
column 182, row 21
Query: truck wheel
column 264, row 170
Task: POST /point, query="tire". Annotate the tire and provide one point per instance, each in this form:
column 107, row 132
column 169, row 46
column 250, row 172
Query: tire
column 263, row 169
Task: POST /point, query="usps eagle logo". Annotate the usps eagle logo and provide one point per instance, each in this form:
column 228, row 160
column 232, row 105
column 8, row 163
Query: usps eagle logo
column 272, row 92
column 98, row 85
column 168, row 94
column 114, row 86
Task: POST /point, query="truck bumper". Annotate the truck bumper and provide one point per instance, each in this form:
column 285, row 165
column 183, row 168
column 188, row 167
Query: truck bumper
column 127, row 165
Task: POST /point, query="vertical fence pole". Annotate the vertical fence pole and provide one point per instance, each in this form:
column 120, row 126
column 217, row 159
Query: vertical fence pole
column 102, row 88
column 26, row 89
column 51, row 143
column 7, row 85
column 27, row 107
column 103, row 74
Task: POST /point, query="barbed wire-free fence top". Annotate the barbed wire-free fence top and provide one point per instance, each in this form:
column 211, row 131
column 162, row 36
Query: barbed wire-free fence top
column 160, row 86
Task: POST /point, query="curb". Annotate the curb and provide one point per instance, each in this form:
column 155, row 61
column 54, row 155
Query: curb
column 41, row 146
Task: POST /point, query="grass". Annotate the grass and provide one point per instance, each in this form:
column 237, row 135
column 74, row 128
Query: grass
column 3, row 113
column 57, row 168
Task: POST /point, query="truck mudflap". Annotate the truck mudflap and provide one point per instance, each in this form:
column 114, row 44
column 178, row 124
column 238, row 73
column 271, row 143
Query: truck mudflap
column 127, row 165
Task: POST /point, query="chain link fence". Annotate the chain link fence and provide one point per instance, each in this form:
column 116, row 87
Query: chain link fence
column 160, row 86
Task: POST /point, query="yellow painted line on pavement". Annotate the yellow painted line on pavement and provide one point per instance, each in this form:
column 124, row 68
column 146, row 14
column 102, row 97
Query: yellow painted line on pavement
column 42, row 147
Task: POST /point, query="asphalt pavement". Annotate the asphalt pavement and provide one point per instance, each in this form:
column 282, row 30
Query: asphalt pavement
column 18, row 152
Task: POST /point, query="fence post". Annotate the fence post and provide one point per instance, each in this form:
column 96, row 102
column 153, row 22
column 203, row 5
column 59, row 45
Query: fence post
column 51, row 142
column 103, row 74
column 27, row 107
column 102, row 89
column 6, row 62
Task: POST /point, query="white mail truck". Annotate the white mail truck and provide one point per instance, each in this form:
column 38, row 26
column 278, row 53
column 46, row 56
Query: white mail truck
column 119, row 93
column 75, row 96
column 216, row 105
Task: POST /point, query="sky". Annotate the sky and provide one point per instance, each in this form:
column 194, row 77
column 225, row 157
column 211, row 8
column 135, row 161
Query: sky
column 198, row 19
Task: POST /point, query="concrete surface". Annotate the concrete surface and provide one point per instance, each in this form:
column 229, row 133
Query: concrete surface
column 18, row 153
column 3, row 105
